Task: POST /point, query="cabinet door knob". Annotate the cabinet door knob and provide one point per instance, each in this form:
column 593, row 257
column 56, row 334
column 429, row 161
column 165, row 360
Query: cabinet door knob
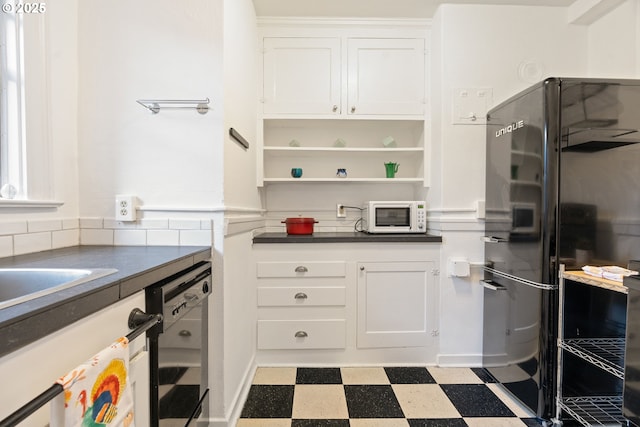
column 361, row 268
column 184, row 333
column 300, row 295
column 353, row 109
column 301, row 269
column 335, row 108
column 301, row 334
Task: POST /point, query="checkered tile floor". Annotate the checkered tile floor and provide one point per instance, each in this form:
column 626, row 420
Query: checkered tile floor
column 379, row 397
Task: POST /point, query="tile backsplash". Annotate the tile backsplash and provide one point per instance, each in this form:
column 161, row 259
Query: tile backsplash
column 19, row 237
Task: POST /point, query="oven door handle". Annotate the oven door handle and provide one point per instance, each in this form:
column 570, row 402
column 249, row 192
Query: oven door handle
column 191, row 297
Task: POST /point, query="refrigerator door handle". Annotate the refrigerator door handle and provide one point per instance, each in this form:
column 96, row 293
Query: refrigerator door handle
column 522, row 281
column 494, row 239
column 490, row 284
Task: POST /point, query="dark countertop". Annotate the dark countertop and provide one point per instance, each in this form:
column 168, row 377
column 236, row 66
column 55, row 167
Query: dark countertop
column 138, row 267
column 345, row 237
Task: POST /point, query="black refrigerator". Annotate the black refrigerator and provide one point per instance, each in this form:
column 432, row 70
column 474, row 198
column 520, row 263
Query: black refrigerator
column 562, row 186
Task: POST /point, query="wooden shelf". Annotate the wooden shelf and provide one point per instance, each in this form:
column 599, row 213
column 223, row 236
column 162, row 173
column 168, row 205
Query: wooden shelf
column 347, row 180
column 582, row 277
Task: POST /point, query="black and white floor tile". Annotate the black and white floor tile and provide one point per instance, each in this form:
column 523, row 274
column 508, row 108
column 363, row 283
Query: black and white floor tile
column 379, row 397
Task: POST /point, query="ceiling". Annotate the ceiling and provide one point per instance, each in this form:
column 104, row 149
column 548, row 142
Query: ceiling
column 377, row 8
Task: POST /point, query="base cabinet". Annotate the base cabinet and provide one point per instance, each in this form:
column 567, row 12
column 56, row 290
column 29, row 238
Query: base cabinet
column 34, row 368
column 393, row 303
column 346, row 302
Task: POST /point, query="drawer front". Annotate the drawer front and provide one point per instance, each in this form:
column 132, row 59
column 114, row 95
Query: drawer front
column 302, row 269
column 301, row 334
column 301, row 296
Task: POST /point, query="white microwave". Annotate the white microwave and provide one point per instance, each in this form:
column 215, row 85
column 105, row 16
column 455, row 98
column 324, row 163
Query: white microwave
column 395, row 217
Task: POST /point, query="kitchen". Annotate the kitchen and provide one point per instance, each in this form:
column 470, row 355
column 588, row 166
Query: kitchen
column 196, row 186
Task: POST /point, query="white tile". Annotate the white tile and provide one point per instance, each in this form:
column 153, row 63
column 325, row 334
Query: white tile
column 494, row 422
column 13, row 227
column 424, row 401
column 275, row 376
column 39, row 225
column 90, row 236
column 364, row 375
column 32, row 242
column 195, row 237
column 154, row 223
column 91, row 222
column 65, row 238
column 6, row 246
column 163, row 237
column 378, row 422
column 184, row 224
column 319, row 401
column 112, row 223
column 130, row 237
column 454, row 375
column 264, row 422
column 68, row 223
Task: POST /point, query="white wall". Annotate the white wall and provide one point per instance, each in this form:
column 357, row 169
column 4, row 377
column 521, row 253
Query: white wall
column 497, row 47
column 614, row 43
column 154, row 49
column 234, row 324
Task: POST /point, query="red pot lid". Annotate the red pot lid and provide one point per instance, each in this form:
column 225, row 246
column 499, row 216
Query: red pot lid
column 299, row 220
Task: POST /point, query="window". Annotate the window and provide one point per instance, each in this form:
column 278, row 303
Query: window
column 11, row 108
column 25, row 162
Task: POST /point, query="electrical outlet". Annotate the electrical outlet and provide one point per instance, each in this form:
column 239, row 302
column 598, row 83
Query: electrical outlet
column 341, row 212
column 125, row 208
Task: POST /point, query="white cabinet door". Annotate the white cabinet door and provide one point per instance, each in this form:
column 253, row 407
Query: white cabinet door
column 301, row 76
column 139, row 380
column 386, row 76
column 393, row 303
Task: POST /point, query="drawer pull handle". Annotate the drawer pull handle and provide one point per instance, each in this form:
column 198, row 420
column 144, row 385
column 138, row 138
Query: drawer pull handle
column 335, row 108
column 300, row 295
column 184, row 333
column 301, row 334
column 353, row 109
column 301, row 269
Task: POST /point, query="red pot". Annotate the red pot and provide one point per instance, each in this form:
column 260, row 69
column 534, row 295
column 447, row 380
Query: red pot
column 299, row 225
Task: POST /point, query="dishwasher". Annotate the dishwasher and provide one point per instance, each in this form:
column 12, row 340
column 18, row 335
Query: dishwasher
column 178, row 347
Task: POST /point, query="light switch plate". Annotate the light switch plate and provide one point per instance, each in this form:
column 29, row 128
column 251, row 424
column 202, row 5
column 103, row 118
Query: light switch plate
column 470, row 105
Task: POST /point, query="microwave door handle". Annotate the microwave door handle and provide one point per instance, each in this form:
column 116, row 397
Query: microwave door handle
column 494, row 239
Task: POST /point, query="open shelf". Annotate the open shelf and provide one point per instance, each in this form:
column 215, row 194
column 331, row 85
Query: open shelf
column 605, row 353
column 595, row 410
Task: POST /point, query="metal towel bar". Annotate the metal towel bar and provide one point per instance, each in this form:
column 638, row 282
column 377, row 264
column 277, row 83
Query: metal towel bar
column 155, row 105
column 138, row 319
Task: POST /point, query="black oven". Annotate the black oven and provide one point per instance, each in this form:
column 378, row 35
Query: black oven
column 178, row 347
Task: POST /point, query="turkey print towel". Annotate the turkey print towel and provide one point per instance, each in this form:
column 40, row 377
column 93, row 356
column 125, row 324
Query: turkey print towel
column 97, row 393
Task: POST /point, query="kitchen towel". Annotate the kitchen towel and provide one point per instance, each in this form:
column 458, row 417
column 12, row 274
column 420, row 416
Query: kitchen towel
column 97, row 393
column 611, row 272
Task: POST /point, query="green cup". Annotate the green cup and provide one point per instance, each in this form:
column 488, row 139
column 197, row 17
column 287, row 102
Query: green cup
column 391, row 169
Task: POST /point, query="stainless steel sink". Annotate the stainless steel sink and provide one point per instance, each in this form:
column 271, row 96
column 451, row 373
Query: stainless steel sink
column 18, row 285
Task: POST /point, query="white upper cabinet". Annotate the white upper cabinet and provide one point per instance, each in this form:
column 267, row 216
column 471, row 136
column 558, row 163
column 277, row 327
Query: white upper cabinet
column 314, row 76
column 301, row 75
column 386, row 76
